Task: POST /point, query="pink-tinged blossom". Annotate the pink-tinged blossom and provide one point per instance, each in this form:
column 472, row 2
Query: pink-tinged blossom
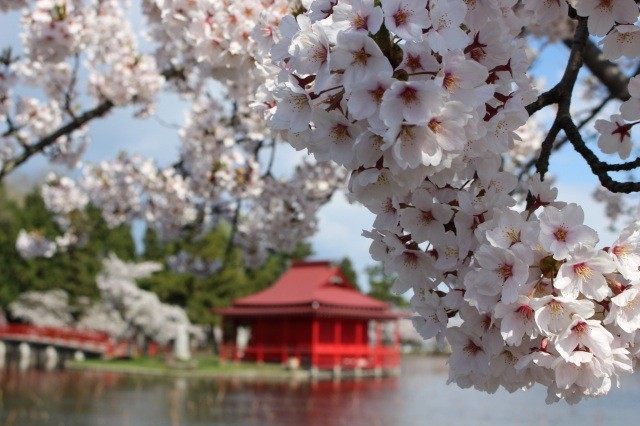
column 368, row 148
column 603, row 14
column 445, row 32
column 333, row 137
column 511, row 229
column 545, row 11
column 581, row 369
column 366, row 96
column 625, row 252
column 448, row 251
column 358, row 16
column 406, row 18
column 464, row 79
column 413, row 101
column 294, row 111
column 630, row 109
column 517, row 320
column 589, row 334
column 479, row 12
column 447, row 126
column 501, row 129
column 427, row 219
column 543, row 193
column 554, row 314
column 583, row 272
column 467, row 354
column 625, row 310
column 562, row 230
column 615, row 136
column 288, row 28
column 623, row 40
column 413, row 266
column 501, row 271
column 310, row 54
column 433, row 319
column 373, row 183
column 417, row 59
column 360, row 58
column 412, row 147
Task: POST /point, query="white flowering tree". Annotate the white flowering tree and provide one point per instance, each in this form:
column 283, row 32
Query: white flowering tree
column 431, row 108
column 80, row 59
column 123, row 311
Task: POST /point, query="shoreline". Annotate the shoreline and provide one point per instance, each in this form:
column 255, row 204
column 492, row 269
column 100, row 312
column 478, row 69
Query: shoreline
column 238, row 371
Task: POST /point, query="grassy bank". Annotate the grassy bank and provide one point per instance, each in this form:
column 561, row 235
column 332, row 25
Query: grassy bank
column 199, row 366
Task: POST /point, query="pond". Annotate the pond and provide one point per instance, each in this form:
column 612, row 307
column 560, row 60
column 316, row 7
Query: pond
column 419, row 396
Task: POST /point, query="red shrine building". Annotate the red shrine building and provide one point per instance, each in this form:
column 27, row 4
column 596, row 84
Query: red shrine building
column 313, row 315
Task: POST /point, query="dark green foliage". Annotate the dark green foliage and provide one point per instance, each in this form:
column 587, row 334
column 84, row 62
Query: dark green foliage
column 74, row 271
column 349, row 273
column 380, row 286
column 199, row 295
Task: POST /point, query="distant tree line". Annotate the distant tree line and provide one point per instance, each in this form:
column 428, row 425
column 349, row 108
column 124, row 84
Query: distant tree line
column 75, row 271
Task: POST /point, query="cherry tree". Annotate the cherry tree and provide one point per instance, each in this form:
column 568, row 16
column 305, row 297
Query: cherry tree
column 429, row 106
column 124, row 311
column 79, row 60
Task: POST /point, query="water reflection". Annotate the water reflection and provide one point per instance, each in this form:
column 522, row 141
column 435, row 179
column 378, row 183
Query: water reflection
column 419, row 396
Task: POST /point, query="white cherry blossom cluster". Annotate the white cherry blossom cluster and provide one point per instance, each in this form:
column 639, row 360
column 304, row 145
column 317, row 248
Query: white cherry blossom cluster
column 220, row 163
column 218, row 178
column 420, row 100
column 134, row 188
column 54, row 29
column 285, row 210
column 43, row 308
column 141, row 311
column 223, row 35
column 34, row 244
column 124, row 310
column 37, row 119
column 62, row 196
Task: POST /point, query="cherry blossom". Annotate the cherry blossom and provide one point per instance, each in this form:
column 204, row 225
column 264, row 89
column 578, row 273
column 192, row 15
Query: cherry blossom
column 406, row 18
column 615, row 136
column 562, row 230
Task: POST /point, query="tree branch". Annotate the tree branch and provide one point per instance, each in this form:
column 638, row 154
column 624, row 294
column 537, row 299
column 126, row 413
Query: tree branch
column 599, row 168
column 73, row 125
column 43, row 143
column 561, row 93
column 607, row 72
column 542, row 165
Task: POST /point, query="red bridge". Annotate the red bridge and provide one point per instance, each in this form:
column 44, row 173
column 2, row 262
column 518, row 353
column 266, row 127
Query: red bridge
column 64, row 339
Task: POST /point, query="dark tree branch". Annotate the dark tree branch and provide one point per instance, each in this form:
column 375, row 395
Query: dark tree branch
column 43, row 143
column 561, row 93
column 542, row 165
column 576, row 57
column 598, row 167
column 560, row 143
column 605, row 71
column 76, row 123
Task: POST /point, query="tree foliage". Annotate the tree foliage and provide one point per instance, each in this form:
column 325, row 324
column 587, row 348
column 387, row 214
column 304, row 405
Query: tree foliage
column 380, row 285
column 73, row 271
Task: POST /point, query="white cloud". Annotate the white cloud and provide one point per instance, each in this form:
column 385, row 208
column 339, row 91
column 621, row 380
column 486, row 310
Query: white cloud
column 341, row 226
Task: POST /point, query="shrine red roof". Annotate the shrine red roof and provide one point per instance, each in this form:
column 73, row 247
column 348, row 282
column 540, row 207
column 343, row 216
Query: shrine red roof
column 310, row 287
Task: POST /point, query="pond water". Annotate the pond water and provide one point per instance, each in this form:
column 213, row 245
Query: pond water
column 419, row 396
